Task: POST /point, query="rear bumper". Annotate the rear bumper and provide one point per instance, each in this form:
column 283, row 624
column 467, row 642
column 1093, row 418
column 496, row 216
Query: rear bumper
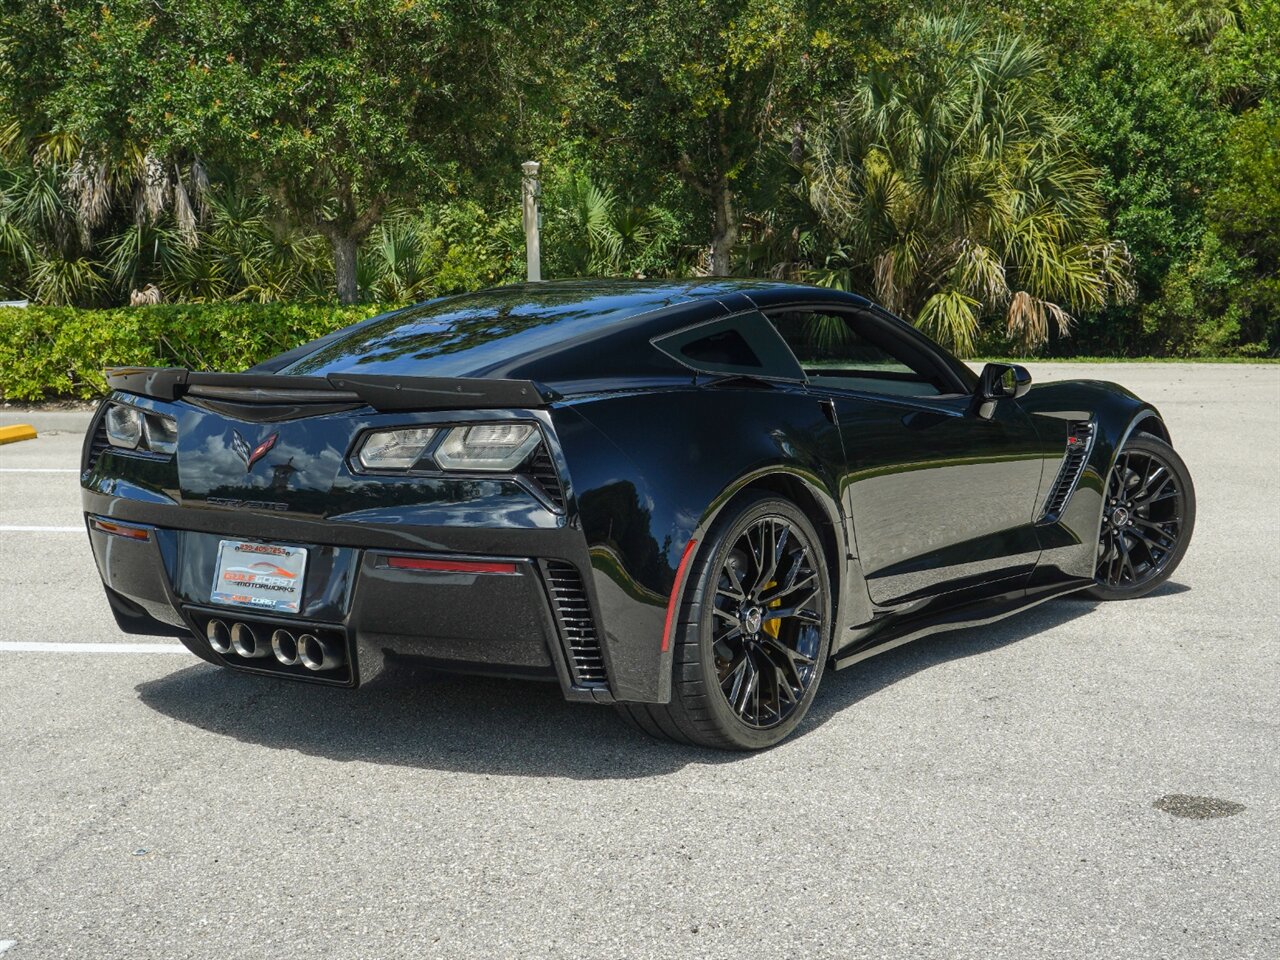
column 536, row 618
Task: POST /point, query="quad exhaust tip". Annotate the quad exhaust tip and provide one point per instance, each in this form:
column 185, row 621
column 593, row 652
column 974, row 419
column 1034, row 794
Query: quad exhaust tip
column 285, row 646
column 317, row 654
column 245, row 642
column 219, row 636
column 250, row 642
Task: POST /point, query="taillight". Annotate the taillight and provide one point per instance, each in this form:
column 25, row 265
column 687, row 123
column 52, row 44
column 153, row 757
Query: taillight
column 470, row 448
column 124, row 426
column 394, row 449
column 130, row 428
column 488, row 447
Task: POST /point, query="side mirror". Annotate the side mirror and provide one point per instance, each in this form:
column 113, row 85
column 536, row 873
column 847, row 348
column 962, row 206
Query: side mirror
column 1000, row 380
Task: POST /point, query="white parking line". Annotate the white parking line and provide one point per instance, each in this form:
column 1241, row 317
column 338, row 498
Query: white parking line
column 41, row 529
column 19, row 646
column 38, row 470
column 6, row 944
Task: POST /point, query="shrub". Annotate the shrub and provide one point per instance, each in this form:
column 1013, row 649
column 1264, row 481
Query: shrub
column 50, row 352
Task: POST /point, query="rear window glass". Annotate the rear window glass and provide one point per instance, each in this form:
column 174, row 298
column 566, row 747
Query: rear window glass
column 480, row 334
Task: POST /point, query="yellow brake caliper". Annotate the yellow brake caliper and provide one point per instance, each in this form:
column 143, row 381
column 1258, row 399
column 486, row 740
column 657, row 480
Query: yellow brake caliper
column 772, row 626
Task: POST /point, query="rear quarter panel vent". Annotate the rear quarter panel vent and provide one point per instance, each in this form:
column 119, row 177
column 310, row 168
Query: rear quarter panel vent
column 577, row 626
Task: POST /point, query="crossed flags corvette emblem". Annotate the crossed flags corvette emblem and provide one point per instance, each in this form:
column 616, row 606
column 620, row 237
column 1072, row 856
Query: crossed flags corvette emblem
column 250, row 456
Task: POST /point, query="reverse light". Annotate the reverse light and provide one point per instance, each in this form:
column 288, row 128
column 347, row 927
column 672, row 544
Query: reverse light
column 394, row 449
column 498, row 447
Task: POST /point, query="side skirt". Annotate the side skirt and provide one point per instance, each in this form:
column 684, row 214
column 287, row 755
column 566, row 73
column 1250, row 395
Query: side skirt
column 974, row 614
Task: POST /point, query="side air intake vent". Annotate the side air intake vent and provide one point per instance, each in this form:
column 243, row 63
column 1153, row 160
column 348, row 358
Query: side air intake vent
column 542, row 471
column 577, row 629
column 1079, row 442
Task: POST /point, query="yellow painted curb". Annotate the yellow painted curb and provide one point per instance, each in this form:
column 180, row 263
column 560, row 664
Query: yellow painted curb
column 16, row 432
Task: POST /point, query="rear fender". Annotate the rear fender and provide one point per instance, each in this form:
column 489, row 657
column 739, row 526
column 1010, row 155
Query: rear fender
column 649, row 475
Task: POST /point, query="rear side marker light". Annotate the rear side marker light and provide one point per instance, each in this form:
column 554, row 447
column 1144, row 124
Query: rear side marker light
column 450, row 566
column 674, row 601
column 120, row 529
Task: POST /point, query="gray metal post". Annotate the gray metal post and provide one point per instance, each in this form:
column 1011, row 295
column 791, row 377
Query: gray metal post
column 530, row 190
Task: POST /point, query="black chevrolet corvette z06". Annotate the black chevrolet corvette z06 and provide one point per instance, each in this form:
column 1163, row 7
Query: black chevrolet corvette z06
column 687, row 499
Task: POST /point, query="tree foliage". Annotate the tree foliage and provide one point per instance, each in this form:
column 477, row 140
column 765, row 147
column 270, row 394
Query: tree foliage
column 694, row 90
column 951, row 186
column 1006, row 176
column 336, row 108
column 1159, row 87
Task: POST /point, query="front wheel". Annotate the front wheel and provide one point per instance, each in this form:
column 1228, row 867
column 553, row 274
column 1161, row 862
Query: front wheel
column 1148, row 514
column 752, row 635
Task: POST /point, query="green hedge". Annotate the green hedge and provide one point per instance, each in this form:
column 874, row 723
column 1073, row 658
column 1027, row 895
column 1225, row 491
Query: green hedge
column 48, row 352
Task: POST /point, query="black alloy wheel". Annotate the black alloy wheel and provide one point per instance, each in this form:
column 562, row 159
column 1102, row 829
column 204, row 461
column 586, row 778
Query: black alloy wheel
column 1148, row 513
column 752, row 634
column 768, row 622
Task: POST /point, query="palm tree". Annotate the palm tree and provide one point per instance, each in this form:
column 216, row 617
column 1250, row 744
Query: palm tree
column 949, row 183
column 41, row 253
column 594, row 233
column 392, row 267
column 258, row 252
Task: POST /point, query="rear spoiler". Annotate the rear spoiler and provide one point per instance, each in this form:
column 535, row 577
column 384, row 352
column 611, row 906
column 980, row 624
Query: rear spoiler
column 383, row 393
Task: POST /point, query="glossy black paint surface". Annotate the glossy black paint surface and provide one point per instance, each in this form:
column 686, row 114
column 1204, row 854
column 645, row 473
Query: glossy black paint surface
column 958, row 510
column 930, row 508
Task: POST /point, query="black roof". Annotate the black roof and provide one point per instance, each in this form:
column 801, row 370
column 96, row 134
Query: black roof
column 562, row 332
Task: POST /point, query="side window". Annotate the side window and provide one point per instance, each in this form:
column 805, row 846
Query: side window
column 841, row 351
column 745, row 344
column 722, row 348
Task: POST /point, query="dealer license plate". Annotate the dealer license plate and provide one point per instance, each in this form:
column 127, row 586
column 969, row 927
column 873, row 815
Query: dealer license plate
column 265, row 576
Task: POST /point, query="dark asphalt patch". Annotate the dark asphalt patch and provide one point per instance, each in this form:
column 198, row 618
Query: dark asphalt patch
column 1197, row 808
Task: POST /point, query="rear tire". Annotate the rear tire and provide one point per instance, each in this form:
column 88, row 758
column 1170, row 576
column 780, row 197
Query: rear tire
column 743, row 678
column 1148, row 515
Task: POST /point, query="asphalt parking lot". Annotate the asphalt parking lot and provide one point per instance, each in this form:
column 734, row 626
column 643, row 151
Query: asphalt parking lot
column 998, row 792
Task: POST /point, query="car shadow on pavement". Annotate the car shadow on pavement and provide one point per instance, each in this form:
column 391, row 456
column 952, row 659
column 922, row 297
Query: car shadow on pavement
column 859, row 681
column 425, row 719
column 516, row 728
